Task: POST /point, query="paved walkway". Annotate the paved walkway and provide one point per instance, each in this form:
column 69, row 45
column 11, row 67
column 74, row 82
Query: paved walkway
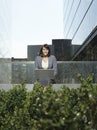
column 30, row 86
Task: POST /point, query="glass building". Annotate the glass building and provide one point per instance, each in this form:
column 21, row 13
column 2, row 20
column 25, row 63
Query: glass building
column 5, row 41
column 80, row 18
column 5, row 28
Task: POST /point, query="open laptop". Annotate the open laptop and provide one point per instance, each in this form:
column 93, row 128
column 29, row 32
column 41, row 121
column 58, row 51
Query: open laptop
column 44, row 74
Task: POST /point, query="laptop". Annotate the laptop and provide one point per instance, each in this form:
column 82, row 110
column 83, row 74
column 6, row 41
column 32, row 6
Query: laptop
column 44, row 74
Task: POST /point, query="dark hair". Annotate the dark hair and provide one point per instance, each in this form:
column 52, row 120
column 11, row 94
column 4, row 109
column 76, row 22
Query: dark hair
column 47, row 47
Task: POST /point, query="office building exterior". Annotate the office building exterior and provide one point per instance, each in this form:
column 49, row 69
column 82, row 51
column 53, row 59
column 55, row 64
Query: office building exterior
column 5, row 28
column 62, row 49
column 5, row 41
column 80, row 21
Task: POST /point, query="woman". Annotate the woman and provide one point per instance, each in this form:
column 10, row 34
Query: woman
column 45, row 60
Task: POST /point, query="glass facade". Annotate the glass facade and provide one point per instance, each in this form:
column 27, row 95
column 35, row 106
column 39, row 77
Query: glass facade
column 80, row 18
column 5, row 28
column 5, row 41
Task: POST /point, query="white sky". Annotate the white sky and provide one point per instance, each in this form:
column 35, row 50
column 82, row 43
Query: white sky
column 35, row 22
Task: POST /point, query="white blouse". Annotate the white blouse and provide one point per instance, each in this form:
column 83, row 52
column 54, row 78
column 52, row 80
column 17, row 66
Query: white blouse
column 44, row 64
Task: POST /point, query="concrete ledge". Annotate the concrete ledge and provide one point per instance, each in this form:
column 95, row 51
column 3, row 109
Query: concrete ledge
column 30, row 86
column 57, row 86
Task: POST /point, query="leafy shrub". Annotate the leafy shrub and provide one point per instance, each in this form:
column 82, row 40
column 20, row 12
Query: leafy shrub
column 44, row 108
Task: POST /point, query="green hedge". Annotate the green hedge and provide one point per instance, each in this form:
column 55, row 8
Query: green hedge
column 48, row 109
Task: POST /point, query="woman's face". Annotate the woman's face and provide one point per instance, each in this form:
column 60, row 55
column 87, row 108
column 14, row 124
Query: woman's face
column 45, row 51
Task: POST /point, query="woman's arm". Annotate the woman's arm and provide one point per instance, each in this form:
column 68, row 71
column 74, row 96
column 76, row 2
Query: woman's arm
column 55, row 65
column 36, row 63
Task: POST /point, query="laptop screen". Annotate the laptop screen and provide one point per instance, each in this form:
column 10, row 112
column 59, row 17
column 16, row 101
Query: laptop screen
column 42, row 74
